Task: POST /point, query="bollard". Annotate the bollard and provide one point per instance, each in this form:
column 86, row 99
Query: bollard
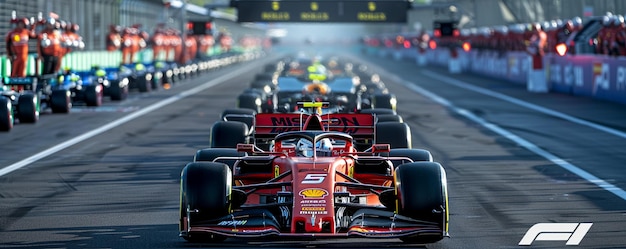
column 397, row 54
column 454, row 64
column 537, row 81
column 420, row 58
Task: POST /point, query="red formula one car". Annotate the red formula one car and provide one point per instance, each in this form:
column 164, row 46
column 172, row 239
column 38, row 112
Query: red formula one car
column 314, row 183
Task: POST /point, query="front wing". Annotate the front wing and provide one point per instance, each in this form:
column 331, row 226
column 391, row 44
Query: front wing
column 368, row 223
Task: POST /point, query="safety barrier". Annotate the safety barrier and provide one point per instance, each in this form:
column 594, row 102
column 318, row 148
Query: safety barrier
column 84, row 60
column 78, row 61
column 594, row 76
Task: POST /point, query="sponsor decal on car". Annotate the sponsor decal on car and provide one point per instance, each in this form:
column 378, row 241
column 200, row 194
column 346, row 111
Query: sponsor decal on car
column 313, row 208
column 302, row 212
column 314, row 178
column 232, row 223
column 313, row 193
column 312, row 203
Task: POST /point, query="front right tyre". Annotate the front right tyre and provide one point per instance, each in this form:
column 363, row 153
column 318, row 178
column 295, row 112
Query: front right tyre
column 422, row 194
column 205, row 195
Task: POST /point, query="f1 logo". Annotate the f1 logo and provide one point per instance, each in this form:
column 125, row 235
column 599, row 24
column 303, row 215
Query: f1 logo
column 573, row 233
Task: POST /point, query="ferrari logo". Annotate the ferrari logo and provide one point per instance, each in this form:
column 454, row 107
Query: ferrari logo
column 314, row 6
column 276, row 170
column 275, row 6
column 371, row 6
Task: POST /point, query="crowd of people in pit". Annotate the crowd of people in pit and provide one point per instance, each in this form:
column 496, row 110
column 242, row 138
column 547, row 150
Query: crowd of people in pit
column 55, row 38
column 535, row 38
column 166, row 43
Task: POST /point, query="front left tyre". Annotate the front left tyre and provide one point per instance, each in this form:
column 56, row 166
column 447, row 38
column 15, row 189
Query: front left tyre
column 28, row 108
column 205, row 195
column 6, row 114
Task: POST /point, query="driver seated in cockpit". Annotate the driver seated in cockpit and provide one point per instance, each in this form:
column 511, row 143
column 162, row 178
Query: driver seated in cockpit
column 323, row 148
column 317, row 71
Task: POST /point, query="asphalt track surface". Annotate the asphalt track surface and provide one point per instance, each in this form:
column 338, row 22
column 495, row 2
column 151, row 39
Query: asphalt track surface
column 507, row 163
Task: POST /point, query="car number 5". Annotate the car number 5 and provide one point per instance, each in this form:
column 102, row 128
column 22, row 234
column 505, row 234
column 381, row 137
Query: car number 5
column 313, row 178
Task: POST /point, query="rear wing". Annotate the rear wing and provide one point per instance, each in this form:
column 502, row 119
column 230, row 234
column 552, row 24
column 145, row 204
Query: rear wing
column 29, row 83
column 358, row 125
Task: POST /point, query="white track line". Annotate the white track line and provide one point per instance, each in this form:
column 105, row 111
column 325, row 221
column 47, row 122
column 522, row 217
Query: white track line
column 516, row 139
column 116, row 123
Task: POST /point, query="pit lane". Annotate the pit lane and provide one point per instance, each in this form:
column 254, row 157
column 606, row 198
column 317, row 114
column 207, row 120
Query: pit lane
column 119, row 189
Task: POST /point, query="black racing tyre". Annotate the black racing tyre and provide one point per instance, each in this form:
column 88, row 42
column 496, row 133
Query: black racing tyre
column 389, row 118
column 397, row 135
column 264, row 77
column 143, row 85
column 227, row 134
column 170, row 76
column 250, row 101
column 60, row 101
column 242, row 111
column 416, row 155
column 260, row 84
column 379, row 111
column 386, row 101
column 209, row 154
column 93, row 95
column 423, row 195
column 262, row 94
column 271, row 68
column 268, row 101
column 205, row 187
column 156, row 82
column 166, row 77
column 6, row 114
column 118, row 90
column 28, row 108
column 248, row 120
column 181, row 73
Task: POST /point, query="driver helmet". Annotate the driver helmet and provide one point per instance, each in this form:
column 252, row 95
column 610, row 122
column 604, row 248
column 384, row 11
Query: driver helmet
column 140, row 67
column 99, row 72
column 317, row 72
column 323, row 147
column 67, row 70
